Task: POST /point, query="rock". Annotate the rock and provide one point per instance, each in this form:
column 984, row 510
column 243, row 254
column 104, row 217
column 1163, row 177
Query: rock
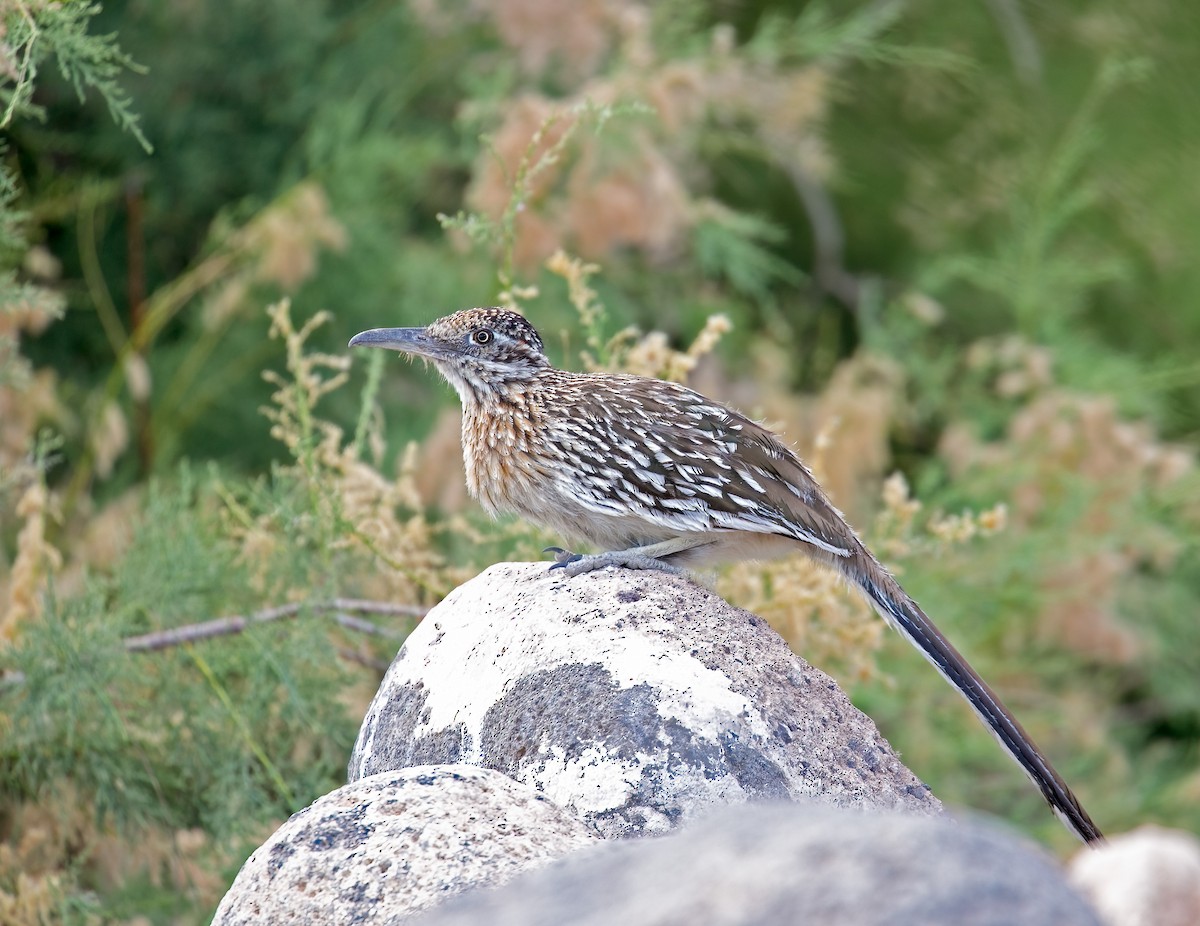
column 1150, row 877
column 375, row 851
column 631, row 699
column 776, row 865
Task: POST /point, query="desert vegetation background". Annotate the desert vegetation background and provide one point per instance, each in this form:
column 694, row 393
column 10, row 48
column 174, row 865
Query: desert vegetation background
column 948, row 248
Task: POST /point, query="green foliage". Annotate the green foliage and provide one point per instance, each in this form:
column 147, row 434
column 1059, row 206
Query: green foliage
column 736, row 247
column 243, row 729
column 35, row 31
column 32, row 33
column 219, row 735
column 817, row 35
column 1038, row 270
column 83, row 692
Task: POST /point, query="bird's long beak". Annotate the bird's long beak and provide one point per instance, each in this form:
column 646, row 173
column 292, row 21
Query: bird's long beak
column 407, row 340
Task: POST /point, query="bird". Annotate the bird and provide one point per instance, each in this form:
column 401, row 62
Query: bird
column 657, row 476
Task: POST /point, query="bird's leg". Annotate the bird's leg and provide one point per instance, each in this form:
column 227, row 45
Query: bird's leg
column 649, row 556
column 576, row 564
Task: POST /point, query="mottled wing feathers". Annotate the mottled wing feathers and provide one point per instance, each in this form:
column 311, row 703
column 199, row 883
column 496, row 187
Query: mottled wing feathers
column 792, row 495
column 665, row 453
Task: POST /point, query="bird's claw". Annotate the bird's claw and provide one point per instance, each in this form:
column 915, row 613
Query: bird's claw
column 562, row 557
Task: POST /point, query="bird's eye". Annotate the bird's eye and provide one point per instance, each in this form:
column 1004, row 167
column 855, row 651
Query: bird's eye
column 482, row 336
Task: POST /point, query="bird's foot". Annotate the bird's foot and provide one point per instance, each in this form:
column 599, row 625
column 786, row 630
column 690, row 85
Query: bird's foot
column 562, row 557
column 576, row 564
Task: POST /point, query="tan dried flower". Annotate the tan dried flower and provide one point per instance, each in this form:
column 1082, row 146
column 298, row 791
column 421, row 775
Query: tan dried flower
column 715, row 328
column 569, row 36
column 812, row 608
column 287, row 235
column 492, row 185
column 109, row 438
column 924, row 308
column 36, row 559
column 21, row 409
column 577, row 273
column 41, row 264
column 1081, row 607
column 357, row 509
column 137, row 377
column 678, row 94
column 650, row 356
column 641, row 204
column 864, row 396
column 994, row 520
column 953, row 528
column 1063, row 445
column 606, row 197
column 225, row 301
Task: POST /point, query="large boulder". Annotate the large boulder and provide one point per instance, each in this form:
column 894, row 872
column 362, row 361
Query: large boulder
column 634, row 700
column 1149, row 877
column 779, row 865
column 375, row 851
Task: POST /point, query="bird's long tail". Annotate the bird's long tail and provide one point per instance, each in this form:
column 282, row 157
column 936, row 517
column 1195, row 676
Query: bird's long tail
column 899, row 610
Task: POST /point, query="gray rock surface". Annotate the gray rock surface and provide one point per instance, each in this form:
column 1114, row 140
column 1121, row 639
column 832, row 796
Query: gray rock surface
column 1149, row 877
column 776, row 865
column 375, row 851
column 631, row 699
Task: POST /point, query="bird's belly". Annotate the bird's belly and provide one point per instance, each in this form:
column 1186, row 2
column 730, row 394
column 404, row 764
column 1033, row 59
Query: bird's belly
column 548, row 505
column 571, row 518
column 575, row 522
column 512, row 483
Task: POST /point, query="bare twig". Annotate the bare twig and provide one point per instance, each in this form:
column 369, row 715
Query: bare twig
column 225, row 626
column 359, row 625
column 189, row 633
column 829, row 240
column 372, row 607
column 11, row 678
column 362, row 659
column 1022, row 44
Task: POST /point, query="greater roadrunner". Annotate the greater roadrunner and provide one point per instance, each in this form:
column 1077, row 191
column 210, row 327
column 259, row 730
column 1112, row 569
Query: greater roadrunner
column 657, row 474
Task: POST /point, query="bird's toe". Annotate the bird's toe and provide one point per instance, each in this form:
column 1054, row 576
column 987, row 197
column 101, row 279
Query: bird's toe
column 562, row 557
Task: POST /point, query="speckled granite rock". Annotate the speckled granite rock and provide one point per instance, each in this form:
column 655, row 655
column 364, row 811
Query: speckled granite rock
column 631, row 699
column 375, row 851
column 780, row 865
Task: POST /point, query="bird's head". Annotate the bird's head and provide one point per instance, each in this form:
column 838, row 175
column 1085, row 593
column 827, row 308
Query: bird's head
column 479, row 351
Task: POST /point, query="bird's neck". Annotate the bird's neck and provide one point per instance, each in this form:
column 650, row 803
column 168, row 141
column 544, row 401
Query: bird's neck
column 500, row 431
column 483, row 390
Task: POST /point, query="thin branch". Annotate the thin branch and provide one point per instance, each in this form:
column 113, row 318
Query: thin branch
column 829, row 240
column 1022, row 44
column 226, row 626
column 370, row 662
column 189, row 633
column 366, row 606
column 358, row 625
column 11, row 678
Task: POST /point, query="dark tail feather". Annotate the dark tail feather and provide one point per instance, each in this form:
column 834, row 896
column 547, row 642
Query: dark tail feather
column 903, row 613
